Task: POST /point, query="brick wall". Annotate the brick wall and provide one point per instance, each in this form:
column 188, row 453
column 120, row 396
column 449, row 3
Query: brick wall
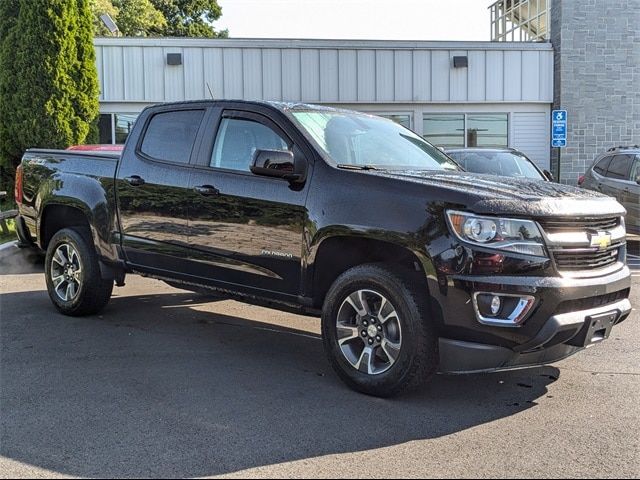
column 597, row 78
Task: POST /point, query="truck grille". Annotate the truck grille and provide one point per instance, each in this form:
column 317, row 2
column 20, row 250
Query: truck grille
column 574, row 259
column 580, row 224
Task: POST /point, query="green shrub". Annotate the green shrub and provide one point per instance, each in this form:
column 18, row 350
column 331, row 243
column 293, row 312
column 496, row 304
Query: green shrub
column 48, row 78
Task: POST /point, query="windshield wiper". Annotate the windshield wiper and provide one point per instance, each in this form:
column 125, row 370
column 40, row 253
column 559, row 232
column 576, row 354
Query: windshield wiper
column 348, row 166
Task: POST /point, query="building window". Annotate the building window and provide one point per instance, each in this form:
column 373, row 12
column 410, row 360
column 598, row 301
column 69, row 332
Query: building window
column 115, row 127
column 124, row 124
column 487, row 130
column 105, row 132
column 467, row 130
column 403, row 119
column 444, row 130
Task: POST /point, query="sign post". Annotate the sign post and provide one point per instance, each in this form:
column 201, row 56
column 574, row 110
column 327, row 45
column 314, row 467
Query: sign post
column 559, row 133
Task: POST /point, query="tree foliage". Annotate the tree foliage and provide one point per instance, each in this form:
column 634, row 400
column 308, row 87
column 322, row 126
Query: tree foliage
column 48, row 78
column 135, row 18
column 139, row 18
column 190, row 18
column 175, row 18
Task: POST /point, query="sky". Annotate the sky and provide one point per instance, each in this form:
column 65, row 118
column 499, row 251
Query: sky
column 357, row 19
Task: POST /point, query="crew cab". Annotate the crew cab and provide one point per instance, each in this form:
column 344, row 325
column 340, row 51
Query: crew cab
column 414, row 265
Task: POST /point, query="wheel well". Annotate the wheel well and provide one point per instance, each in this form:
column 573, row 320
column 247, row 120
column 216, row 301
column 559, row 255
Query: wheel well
column 337, row 255
column 57, row 217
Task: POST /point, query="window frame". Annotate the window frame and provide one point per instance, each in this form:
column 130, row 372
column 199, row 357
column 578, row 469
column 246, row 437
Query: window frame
column 463, row 133
column 465, row 127
column 397, row 114
column 196, row 143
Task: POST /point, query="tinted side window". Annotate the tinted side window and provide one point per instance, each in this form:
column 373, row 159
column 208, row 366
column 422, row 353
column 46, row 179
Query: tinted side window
column 635, row 171
column 170, row 136
column 237, row 140
column 602, row 165
column 620, row 167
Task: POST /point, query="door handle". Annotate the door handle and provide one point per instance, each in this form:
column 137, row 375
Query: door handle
column 207, row 190
column 134, row 180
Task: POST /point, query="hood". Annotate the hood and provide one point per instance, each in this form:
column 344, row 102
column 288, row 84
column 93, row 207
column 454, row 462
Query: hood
column 489, row 194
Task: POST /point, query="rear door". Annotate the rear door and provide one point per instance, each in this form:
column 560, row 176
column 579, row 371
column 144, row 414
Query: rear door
column 596, row 175
column 617, row 177
column 153, row 192
column 247, row 230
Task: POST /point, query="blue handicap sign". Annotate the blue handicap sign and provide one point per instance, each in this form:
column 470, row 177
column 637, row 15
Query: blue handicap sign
column 559, row 128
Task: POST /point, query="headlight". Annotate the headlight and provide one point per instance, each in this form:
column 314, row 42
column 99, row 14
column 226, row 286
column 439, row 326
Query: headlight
column 509, row 234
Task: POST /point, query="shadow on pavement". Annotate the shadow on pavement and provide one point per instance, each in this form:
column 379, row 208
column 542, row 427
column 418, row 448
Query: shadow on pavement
column 155, row 387
column 17, row 261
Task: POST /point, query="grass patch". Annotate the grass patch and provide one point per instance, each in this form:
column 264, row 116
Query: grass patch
column 11, row 235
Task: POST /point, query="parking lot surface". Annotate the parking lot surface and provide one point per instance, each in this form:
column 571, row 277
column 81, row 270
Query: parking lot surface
column 166, row 383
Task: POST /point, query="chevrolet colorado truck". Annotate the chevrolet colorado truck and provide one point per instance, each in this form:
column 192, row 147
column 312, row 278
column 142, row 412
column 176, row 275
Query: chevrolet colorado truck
column 415, row 266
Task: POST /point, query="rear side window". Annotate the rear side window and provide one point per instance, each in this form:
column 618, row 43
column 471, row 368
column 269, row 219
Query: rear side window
column 620, row 167
column 170, row 136
column 602, row 165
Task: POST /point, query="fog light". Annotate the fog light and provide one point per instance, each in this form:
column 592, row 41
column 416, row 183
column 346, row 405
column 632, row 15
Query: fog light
column 502, row 309
column 496, row 303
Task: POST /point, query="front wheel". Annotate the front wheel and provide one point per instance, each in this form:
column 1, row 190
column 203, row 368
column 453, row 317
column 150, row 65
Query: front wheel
column 377, row 332
column 72, row 271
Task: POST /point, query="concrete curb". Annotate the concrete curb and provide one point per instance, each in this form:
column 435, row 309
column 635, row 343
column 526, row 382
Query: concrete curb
column 7, row 245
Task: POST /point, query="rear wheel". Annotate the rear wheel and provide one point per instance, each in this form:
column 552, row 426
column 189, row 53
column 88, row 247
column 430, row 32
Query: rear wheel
column 73, row 276
column 377, row 333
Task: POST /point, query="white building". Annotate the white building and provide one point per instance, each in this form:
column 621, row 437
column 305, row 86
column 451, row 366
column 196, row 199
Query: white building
column 453, row 93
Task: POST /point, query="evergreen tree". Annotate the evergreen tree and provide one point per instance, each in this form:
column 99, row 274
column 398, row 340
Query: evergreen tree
column 48, row 78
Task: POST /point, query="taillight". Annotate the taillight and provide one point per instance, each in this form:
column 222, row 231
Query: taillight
column 18, row 186
column 580, row 180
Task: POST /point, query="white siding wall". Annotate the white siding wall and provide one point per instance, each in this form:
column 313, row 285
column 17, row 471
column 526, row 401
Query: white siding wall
column 411, row 78
column 135, row 70
column 530, row 135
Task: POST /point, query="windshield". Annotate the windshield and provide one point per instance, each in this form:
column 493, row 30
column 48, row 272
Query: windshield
column 507, row 164
column 351, row 139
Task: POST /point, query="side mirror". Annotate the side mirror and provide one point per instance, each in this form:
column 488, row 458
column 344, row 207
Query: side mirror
column 549, row 175
column 278, row 164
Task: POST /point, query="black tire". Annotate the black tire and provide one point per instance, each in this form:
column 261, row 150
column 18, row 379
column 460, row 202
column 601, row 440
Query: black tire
column 418, row 357
column 93, row 292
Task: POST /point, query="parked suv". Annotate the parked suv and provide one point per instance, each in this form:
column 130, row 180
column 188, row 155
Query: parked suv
column 617, row 173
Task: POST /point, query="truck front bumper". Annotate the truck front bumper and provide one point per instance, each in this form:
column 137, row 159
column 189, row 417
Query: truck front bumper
column 570, row 315
column 583, row 328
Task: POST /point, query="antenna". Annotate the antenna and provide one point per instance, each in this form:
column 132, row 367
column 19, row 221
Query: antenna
column 210, row 91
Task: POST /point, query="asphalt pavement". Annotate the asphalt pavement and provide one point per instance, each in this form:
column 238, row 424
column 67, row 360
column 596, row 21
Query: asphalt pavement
column 165, row 383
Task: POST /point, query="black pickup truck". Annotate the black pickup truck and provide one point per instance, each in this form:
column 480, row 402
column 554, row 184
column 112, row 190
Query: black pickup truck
column 414, row 265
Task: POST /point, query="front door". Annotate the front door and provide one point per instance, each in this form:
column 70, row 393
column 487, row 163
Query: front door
column 246, row 230
column 153, row 190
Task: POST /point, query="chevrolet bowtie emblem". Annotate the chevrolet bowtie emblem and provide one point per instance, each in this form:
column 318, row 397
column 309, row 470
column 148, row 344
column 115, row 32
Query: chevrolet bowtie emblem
column 601, row 240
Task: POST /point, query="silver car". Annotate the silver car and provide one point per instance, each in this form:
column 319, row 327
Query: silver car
column 617, row 174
